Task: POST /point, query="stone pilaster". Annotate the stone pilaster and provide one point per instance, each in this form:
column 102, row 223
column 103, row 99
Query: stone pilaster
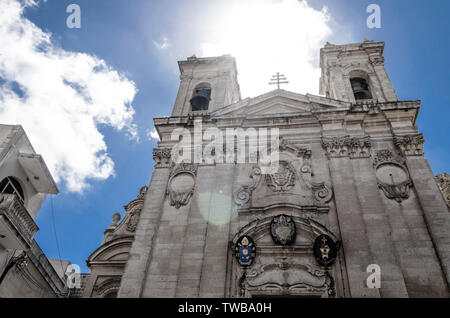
column 434, row 208
column 139, row 258
column 356, row 247
column 215, row 261
column 378, row 229
column 190, row 271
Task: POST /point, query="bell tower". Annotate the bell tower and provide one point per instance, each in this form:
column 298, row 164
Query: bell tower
column 355, row 72
column 206, row 84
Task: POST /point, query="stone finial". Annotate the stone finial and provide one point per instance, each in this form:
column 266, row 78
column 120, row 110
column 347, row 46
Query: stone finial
column 110, row 229
column 115, row 219
column 443, row 180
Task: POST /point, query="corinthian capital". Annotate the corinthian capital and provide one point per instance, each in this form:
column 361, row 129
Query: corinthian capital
column 354, row 147
column 411, row 145
column 443, row 180
column 162, row 157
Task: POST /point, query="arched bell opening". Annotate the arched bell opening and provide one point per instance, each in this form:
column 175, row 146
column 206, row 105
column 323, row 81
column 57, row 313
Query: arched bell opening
column 360, row 88
column 201, row 97
column 360, row 85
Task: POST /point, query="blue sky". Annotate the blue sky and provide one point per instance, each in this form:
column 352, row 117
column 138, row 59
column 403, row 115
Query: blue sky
column 142, row 40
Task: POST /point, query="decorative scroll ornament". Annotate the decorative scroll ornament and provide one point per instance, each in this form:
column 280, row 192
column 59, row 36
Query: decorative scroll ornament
column 283, row 180
column 134, row 210
column 299, row 152
column 181, row 184
column 325, row 250
column 410, row 145
column 376, row 60
column 322, row 193
column 244, row 194
column 393, row 177
column 283, row 230
column 162, row 157
column 397, row 192
column 443, row 180
column 287, row 279
column 355, row 147
column 245, row 250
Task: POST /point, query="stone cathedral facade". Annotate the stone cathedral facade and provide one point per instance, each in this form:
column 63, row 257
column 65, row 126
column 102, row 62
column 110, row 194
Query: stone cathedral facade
column 353, row 192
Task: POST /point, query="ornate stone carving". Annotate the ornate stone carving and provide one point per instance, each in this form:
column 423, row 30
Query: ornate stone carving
column 115, row 220
column 299, row 152
column 181, row 184
column 376, row 60
column 382, row 156
column 162, row 157
column 287, row 279
column 355, row 147
column 134, row 210
column 397, row 192
column 133, row 220
column 290, row 186
column 283, row 230
column 244, row 194
column 130, row 220
column 282, row 180
column 443, row 180
column 393, row 177
column 359, row 147
column 142, row 193
column 322, row 193
column 410, row 145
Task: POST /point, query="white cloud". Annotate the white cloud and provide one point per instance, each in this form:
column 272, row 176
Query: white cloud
column 152, row 134
column 60, row 98
column 162, row 45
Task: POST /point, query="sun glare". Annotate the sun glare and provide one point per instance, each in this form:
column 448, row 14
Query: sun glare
column 266, row 37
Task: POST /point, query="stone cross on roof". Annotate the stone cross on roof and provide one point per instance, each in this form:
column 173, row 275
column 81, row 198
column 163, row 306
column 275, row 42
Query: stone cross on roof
column 278, row 79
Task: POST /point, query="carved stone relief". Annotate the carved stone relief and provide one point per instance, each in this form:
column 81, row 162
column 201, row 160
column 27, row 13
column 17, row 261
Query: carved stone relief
column 286, row 279
column 279, row 269
column 291, row 185
column 410, row 145
column 443, row 180
column 130, row 221
column 283, row 230
column 134, row 210
column 181, row 184
column 283, row 180
column 354, row 147
column 162, row 157
column 392, row 175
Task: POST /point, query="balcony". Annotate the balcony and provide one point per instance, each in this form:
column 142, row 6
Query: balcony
column 17, row 227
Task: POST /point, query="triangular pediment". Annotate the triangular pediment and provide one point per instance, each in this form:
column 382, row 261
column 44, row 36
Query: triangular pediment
column 276, row 103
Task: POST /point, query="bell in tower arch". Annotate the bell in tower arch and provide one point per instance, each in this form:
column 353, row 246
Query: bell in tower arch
column 201, row 98
column 360, row 88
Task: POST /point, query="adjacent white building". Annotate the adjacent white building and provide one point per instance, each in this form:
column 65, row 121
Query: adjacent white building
column 25, row 182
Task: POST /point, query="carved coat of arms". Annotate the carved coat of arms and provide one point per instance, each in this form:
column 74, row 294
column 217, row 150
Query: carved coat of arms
column 283, row 179
column 283, row 230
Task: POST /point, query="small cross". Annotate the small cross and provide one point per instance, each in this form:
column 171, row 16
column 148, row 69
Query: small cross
column 278, row 79
column 324, row 240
